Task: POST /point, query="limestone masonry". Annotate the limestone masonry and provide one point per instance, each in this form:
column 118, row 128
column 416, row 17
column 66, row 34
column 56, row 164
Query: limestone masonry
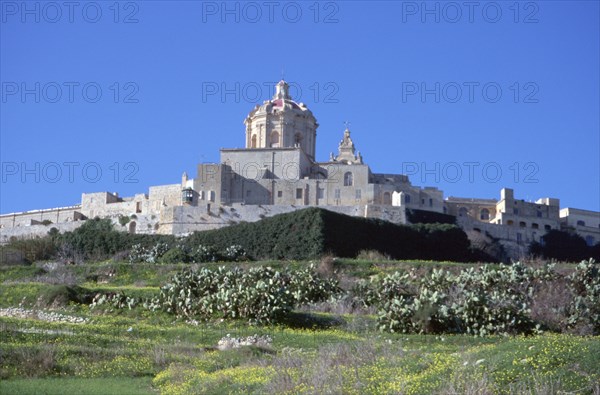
column 277, row 172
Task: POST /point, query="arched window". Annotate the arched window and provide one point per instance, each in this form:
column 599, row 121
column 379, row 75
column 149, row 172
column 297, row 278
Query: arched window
column 387, row 198
column 463, row 212
column 407, row 198
column 484, row 215
column 580, row 223
column 348, row 179
column 253, row 143
column 522, row 224
column 297, row 139
column 275, row 140
column 132, row 226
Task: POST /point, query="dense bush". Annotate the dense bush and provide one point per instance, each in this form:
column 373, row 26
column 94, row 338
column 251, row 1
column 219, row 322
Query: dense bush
column 97, row 239
column 153, row 254
column 564, row 246
column 27, row 250
column 234, row 253
column 584, row 284
column 297, row 235
column 312, row 232
column 479, row 301
column 181, row 253
column 175, row 255
column 260, row 294
column 415, row 216
column 203, row 253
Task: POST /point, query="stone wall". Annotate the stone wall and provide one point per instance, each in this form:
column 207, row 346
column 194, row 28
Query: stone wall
column 32, row 231
column 35, row 217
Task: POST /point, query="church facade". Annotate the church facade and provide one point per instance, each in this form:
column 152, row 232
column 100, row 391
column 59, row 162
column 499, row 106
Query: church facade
column 278, row 172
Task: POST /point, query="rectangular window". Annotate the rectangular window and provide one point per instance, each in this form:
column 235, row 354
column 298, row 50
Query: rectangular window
column 519, row 238
column 430, row 202
column 358, row 194
column 248, row 193
column 320, row 193
column 337, row 193
column 516, row 211
column 299, row 193
column 279, row 193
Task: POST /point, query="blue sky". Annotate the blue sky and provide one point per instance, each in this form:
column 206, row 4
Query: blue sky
column 105, row 96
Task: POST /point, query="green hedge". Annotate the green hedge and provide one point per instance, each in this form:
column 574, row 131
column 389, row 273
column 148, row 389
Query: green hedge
column 415, row 216
column 297, row 235
column 564, row 246
column 312, row 232
column 302, row 234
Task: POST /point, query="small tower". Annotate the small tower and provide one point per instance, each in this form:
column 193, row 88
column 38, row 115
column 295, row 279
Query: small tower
column 347, row 150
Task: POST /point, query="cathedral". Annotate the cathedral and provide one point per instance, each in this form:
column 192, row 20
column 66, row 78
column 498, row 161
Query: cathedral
column 278, row 167
column 278, row 172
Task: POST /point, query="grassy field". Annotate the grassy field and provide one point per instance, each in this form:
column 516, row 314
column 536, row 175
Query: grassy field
column 317, row 350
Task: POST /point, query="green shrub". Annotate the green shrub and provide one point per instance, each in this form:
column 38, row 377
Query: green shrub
column 313, row 232
column 204, row 253
column 584, row 284
column 260, row 294
column 174, row 255
column 123, row 220
column 96, row 238
column 62, row 295
column 29, row 250
column 415, row 216
column 235, row 253
column 564, row 246
column 153, row 254
column 481, row 301
column 297, row 235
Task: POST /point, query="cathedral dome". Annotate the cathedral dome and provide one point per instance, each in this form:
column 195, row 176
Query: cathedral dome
column 281, row 123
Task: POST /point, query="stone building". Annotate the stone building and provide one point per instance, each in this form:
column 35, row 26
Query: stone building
column 517, row 223
column 278, row 172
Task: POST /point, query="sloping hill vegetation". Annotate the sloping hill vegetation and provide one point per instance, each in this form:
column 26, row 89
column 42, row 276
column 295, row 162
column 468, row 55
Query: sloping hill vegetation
column 346, row 326
column 87, row 311
column 303, row 234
